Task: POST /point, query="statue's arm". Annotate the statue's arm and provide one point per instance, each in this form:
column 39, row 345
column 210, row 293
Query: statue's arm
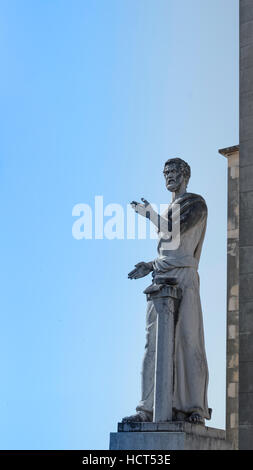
column 188, row 217
column 151, row 265
column 146, row 210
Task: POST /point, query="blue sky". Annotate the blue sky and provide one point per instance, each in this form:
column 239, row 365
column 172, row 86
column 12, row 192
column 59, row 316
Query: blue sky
column 95, row 96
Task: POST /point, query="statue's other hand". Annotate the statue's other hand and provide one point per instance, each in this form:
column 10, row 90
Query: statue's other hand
column 141, row 269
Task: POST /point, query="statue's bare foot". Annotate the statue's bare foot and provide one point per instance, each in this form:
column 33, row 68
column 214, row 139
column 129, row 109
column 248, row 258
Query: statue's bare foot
column 139, row 417
column 195, row 418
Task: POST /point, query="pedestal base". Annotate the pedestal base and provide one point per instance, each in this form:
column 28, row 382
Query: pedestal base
column 174, row 435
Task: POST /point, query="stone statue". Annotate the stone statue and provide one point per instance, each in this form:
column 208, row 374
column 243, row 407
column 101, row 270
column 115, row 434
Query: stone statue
column 177, row 266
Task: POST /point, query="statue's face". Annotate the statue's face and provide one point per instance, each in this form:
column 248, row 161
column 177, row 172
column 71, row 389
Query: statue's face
column 173, row 177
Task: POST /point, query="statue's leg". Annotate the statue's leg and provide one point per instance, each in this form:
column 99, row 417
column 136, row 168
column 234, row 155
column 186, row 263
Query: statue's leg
column 148, row 366
column 191, row 370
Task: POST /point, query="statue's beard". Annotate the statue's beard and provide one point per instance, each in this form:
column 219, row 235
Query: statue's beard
column 172, row 186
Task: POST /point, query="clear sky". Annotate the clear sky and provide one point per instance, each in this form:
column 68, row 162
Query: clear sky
column 95, row 96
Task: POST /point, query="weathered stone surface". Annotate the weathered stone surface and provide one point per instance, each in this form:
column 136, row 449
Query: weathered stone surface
column 233, row 344
column 246, row 149
column 246, row 125
column 246, row 347
column 233, row 317
column 246, row 205
column 173, row 426
column 245, row 231
column 245, row 437
column 246, row 258
column 246, row 175
column 246, row 317
column 232, row 402
column 246, row 56
column 246, row 369
column 246, row 33
column 246, row 407
column 168, row 436
column 246, row 85
column 232, row 375
column 246, row 104
column 246, row 289
column 233, row 361
column 147, row 441
column 246, row 11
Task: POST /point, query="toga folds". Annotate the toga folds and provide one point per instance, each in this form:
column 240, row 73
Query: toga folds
column 190, row 364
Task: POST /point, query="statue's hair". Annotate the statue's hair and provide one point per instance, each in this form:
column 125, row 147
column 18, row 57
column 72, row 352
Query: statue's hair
column 185, row 168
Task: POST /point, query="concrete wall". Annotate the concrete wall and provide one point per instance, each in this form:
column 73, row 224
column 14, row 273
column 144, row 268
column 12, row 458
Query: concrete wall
column 246, row 228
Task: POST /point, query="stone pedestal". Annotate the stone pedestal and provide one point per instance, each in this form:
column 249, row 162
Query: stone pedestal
column 175, row 435
column 163, row 433
column 165, row 301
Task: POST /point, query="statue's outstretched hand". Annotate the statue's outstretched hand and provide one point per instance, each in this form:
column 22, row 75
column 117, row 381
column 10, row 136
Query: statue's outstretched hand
column 144, row 209
column 141, row 269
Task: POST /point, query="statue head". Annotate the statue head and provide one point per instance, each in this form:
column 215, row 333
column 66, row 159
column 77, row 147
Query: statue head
column 177, row 174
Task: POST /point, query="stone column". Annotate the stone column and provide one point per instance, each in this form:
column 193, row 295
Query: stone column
column 232, row 363
column 246, row 228
column 166, row 302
